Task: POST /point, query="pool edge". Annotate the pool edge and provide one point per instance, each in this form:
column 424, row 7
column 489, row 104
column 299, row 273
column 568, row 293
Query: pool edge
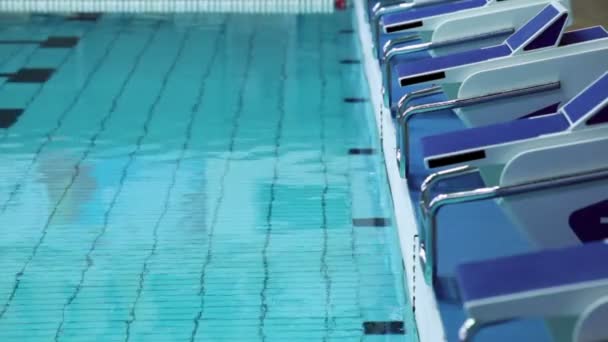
column 426, row 311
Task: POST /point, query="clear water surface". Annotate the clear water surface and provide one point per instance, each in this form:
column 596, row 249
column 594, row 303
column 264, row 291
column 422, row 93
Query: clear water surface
column 188, row 178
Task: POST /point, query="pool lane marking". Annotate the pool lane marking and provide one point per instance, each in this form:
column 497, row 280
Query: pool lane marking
column 353, row 233
column 165, row 208
column 384, row 328
column 355, row 100
column 186, row 145
column 52, row 42
column 222, row 183
column 29, row 75
column 269, row 213
column 8, row 75
column 328, row 321
column 62, row 116
column 19, row 50
column 85, row 16
column 350, row 61
column 8, row 116
column 361, row 151
column 38, row 75
column 54, row 211
column 132, row 155
column 372, row 222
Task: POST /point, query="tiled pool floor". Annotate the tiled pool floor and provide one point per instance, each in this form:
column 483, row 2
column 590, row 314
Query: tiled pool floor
column 188, row 178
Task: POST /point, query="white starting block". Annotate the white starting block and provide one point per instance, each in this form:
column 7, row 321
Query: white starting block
column 550, row 172
column 535, row 77
column 537, row 285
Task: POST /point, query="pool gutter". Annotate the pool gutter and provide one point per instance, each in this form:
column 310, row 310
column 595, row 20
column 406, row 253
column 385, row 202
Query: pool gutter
column 427, row 316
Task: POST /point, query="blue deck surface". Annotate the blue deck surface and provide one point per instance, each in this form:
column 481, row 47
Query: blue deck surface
column 187, row 178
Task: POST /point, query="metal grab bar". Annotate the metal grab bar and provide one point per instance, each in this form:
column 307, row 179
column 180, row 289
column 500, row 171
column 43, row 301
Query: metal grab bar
column 404, row 50
column 434, row 178
column 391, row 43
column 379, row 5
column 405, row 100
column 412, row 111
column 403, row 103
column 382, row 10
column 471, row 327
column 387, row 88
column 428, row 246
column 390, row 51
column 455, row 41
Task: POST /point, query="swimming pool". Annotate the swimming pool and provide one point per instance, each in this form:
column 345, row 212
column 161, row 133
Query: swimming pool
column 193, row 177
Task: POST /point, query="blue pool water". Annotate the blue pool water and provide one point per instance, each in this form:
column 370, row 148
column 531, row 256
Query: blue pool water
column 188, row 178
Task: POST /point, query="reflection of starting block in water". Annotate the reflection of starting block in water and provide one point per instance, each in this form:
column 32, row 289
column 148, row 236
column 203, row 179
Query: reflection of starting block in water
column 570, row 282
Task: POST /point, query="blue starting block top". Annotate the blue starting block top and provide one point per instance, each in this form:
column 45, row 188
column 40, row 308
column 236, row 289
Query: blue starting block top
column 544, row 30
column 532, row 272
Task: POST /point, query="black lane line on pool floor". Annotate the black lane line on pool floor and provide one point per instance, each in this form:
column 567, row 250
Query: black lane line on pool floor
column 52, row 42
column 84, row 17
column 8, row 117
column 355, row 100
column 29, row 75
column 328, row 321
column 372, row 222
column 152, row 110
column 384, row 328
column 350, row 61
column 264, row 297
column 236, row 122
column 361, row 151
column 7, row 304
